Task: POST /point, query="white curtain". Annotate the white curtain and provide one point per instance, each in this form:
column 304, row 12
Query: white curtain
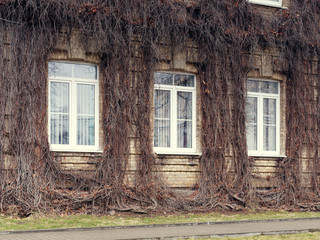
column 85, row 114
column 184, row 119
column 59, row 113
column 162, row 118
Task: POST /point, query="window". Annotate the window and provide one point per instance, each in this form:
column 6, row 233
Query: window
column 273, row 3
column 73, row 107
column 174, row 113
column 263, row 121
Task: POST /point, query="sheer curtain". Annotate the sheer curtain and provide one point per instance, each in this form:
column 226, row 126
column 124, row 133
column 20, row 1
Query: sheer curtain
column 85, row 114
column 184, row 119
column 59, row 111
column 162, row 118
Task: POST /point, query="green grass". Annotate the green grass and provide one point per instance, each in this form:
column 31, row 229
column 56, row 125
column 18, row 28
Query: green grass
column 40, row 221
column 307, row 236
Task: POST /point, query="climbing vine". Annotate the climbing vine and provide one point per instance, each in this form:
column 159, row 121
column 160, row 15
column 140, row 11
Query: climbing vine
column 128, row 37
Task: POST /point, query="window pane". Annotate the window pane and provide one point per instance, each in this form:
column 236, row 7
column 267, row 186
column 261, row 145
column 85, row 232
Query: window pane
column 251, row 110
column 252, row 86
column 269, row 111
column 184, row 115
column 269, row 139
column 162, row 118
column 86, row 130
column 85, row 114
column 184, row 134
column 184, row 80
column 59, row 129
column 162, row 133
column 59, row 113
column 163, row 78
column 252, row 137
column 59, row 97
column 269, row 121
column 58, row 69
column 251, row 122
column 162, row 104
column 86, row 99
column 269, row 87
column 85, row 71
column 184, row 106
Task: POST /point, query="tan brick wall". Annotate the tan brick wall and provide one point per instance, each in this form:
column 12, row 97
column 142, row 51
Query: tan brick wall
column 176, row 170
column 73, row 50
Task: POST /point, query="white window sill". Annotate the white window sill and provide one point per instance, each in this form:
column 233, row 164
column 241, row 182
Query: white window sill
column 269, row 5
column 178, row 153
column 76, row 151
column 267, row 156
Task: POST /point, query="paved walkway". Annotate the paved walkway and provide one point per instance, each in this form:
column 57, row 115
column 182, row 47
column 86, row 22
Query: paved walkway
column 243, row 228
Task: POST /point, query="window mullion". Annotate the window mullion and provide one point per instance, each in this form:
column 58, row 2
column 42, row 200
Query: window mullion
column 174, row 118
column 96, row 110
column 73, row 116
column 49, row 112
column 194, row 119
column 260, row 124
column 278, row 124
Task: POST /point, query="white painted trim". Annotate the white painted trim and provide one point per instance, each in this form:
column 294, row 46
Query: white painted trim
column 174, row 150
column 268, row 156
column 77, row 150
column 260, row 96
column 267, row 3
column 179, row 154
column 72, row 146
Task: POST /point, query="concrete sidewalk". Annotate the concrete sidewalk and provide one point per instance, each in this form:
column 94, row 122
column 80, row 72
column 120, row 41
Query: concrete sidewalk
column 172, row 231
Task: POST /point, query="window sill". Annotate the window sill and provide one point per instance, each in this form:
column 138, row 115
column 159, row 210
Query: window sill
column 178, row 153
column 269, row 5
column 267, row 156
column 76, row 151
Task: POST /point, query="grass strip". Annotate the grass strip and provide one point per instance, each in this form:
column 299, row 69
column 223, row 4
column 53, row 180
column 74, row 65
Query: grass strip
column 42, row 221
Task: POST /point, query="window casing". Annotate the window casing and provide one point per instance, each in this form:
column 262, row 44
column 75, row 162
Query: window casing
column 73, row 107
column 263, row 118
column 174, row 113
column 273, row 3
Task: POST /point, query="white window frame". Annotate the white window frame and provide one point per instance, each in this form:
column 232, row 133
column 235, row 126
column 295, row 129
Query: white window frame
column 260, row 96
column 73, row 146
column 173, row 120
column 267, row 3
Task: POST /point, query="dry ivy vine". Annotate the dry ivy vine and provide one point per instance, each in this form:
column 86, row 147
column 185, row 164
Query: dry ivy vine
column 227, row 34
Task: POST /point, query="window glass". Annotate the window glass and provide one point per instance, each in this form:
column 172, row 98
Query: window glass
column 59, row 102
column 85, row 71
column 269, row 122
column 251, row 111
column 162, row 108
column 163, row 78
column 184, row 80
column 59, row 129
column 269, row 111
column 269, row 87
column 58, row 69
column 184, row 119
column 269, row 138
column 85, row 114
column 252, row 86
